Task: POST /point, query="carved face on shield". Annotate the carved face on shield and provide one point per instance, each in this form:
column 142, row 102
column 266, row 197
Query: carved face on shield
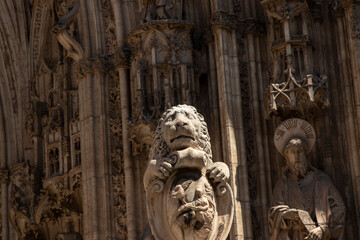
column 191, row 206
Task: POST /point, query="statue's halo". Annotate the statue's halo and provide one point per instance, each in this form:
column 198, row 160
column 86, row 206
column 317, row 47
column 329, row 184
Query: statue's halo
column 294, row 128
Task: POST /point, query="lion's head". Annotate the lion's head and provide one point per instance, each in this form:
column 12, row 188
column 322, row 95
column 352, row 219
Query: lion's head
column 180, row 127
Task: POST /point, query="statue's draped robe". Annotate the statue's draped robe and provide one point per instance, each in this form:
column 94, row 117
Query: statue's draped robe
column 319, row 204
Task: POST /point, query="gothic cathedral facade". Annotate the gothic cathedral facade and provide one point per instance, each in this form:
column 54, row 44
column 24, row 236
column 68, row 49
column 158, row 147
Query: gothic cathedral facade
column 83, row 84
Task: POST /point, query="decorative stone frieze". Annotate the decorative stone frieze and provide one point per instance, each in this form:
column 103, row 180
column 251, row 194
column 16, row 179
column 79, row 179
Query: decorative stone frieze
column 254, row 26
column 4, row 176
column 355, row 21
column 224, row 20
column 93, row 65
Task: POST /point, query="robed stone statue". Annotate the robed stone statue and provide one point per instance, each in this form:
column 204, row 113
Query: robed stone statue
column 305, row 204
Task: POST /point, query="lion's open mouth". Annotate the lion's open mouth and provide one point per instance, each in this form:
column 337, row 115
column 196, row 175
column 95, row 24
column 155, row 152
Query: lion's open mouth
column 182, row 136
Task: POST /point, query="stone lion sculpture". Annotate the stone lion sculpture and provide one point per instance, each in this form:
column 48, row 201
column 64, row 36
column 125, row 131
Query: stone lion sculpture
column 182, row 132
column 183, row 185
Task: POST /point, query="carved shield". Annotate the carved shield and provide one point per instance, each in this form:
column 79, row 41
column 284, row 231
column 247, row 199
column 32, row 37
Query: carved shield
column 187, row 206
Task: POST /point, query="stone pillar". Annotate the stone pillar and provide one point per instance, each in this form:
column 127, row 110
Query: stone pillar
column 4, row 179
column 233, row 140
column 350, row 114
column 95, row 159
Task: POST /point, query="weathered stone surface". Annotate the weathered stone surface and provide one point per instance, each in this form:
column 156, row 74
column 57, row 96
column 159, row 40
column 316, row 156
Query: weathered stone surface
column 187, row 194
column 305, row 204
column 83, row 84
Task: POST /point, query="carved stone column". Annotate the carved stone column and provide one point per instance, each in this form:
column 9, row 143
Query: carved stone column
column 95, row 157
column 4, row 226
column 350, row 99
column 233, row 138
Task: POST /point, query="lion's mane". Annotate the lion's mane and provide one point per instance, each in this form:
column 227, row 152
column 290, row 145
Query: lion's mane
column 160, row 149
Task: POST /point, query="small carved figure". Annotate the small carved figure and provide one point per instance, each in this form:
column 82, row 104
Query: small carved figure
column 305, row 204
column 162, row 9
column 183, row 185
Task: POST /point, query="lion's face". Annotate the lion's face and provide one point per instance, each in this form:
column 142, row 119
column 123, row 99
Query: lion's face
column 180, row 129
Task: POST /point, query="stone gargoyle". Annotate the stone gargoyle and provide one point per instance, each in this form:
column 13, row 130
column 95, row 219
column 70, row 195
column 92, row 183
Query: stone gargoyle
column 187, row 194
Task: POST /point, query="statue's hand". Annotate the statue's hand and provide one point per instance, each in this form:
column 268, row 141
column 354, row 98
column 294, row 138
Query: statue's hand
column 166, row 167
column 161, row 168
column 315, row 234
column 290, row 214
column 219, row 172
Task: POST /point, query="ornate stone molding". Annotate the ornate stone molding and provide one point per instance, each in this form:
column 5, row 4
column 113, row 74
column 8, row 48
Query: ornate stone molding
column 22, row 200
column 161, row 57
column 280, row 10
column 39, row 27
column 141, row 134
column 297, row 95
column 354, row 9
column 251, row 25
column 161, row 34
column 336, row 8
column 93, row 65
column 36, row 110
column 4, row 176
column 121, row 58
column 221, row 19
column 65, row 37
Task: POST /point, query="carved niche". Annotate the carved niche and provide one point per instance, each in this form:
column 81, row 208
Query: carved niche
column 295, row 85
column 161, row 66
column 187, row 195
column 162, row 75
column 162, row 9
